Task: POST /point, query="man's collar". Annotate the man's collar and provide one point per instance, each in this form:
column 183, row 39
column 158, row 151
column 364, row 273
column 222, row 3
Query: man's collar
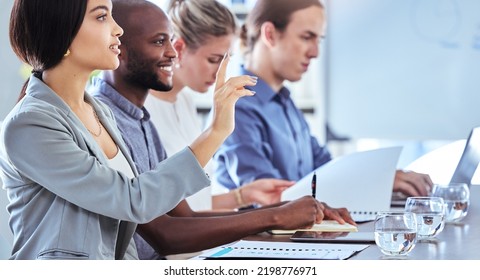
column 265, row 93
column 119, row 100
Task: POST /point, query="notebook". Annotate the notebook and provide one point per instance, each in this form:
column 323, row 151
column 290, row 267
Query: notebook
column 362, row 182
column 324, row 226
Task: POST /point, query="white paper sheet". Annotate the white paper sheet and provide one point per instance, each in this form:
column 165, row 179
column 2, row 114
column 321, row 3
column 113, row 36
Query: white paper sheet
column 362, row 182
column 245, row 249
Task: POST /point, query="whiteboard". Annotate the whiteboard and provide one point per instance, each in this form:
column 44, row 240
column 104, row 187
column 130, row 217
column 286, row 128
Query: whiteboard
column 403, row 69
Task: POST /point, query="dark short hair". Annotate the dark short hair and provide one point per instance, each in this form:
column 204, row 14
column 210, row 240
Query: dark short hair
column 41, row 31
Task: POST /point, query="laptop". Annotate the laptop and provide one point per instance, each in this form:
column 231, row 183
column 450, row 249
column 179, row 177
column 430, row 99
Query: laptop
column 456, row 162
column 469, row 160
column 362, row 182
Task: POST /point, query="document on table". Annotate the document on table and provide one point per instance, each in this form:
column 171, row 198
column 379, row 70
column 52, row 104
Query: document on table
column 362, row 182
column 245, row 249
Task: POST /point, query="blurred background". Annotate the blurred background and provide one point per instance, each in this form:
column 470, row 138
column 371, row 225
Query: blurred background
column 391, row 72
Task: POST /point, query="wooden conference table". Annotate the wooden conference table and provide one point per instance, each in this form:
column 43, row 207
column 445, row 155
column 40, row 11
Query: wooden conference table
column 460, row 241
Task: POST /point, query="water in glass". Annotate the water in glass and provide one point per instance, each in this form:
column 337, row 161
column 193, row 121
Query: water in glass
column 395, row 232
column 457, row 199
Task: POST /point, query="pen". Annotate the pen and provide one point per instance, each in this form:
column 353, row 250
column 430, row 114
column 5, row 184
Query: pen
column 314, row 184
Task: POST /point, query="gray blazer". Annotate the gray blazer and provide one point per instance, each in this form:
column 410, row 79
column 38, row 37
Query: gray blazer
column 65, row 202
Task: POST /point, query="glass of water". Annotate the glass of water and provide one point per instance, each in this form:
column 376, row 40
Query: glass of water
column 430, row 213
column 457, row 199
column 395, row 232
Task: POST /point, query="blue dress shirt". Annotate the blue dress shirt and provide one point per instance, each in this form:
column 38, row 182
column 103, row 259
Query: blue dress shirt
column 271, row 140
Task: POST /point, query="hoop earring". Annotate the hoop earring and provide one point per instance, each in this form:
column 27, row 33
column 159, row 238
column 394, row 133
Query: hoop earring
column 67, row 53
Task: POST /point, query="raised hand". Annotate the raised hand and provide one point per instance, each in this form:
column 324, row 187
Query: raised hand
column 223, row 122
column 226, row 95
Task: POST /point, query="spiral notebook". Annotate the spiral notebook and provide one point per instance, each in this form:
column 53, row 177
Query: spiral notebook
column 362, row 182
column 245, row 249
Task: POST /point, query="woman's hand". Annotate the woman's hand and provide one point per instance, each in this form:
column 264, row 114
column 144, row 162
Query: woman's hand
column 226, row 95
column 223, row 122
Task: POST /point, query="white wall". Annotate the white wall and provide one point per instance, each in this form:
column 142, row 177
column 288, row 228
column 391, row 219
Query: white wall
column 11, row 80
column 403, row 69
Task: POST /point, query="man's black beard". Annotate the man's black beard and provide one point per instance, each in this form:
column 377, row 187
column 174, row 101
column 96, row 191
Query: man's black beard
column 141, row 75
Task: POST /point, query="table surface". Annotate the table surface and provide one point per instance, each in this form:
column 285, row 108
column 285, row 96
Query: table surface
column 458, row 241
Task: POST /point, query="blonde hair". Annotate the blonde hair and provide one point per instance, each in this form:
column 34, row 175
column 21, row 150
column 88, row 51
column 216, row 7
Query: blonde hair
column 196, row 20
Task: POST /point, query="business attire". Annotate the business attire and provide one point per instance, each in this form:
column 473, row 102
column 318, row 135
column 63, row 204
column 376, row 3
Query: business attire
column 178, row 125
column 178, row 120
column 141, row 138
column 66, row 202
column 271, row 140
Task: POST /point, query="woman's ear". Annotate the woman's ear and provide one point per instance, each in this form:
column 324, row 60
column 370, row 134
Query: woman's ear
column 180, row 46
column 267, row 33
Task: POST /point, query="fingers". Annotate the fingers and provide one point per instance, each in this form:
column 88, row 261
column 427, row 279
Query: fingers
column 347, row 217
column 235, row 86
column 334, row 215
column 421, row 182
column 319, row 216
column 244, row 92
column 312, row 209
column 341, row 215
column 405, row 188
column 412, row 183
column 282, row 184
column 239, row 82
column 429, row 182
column 222, row 71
